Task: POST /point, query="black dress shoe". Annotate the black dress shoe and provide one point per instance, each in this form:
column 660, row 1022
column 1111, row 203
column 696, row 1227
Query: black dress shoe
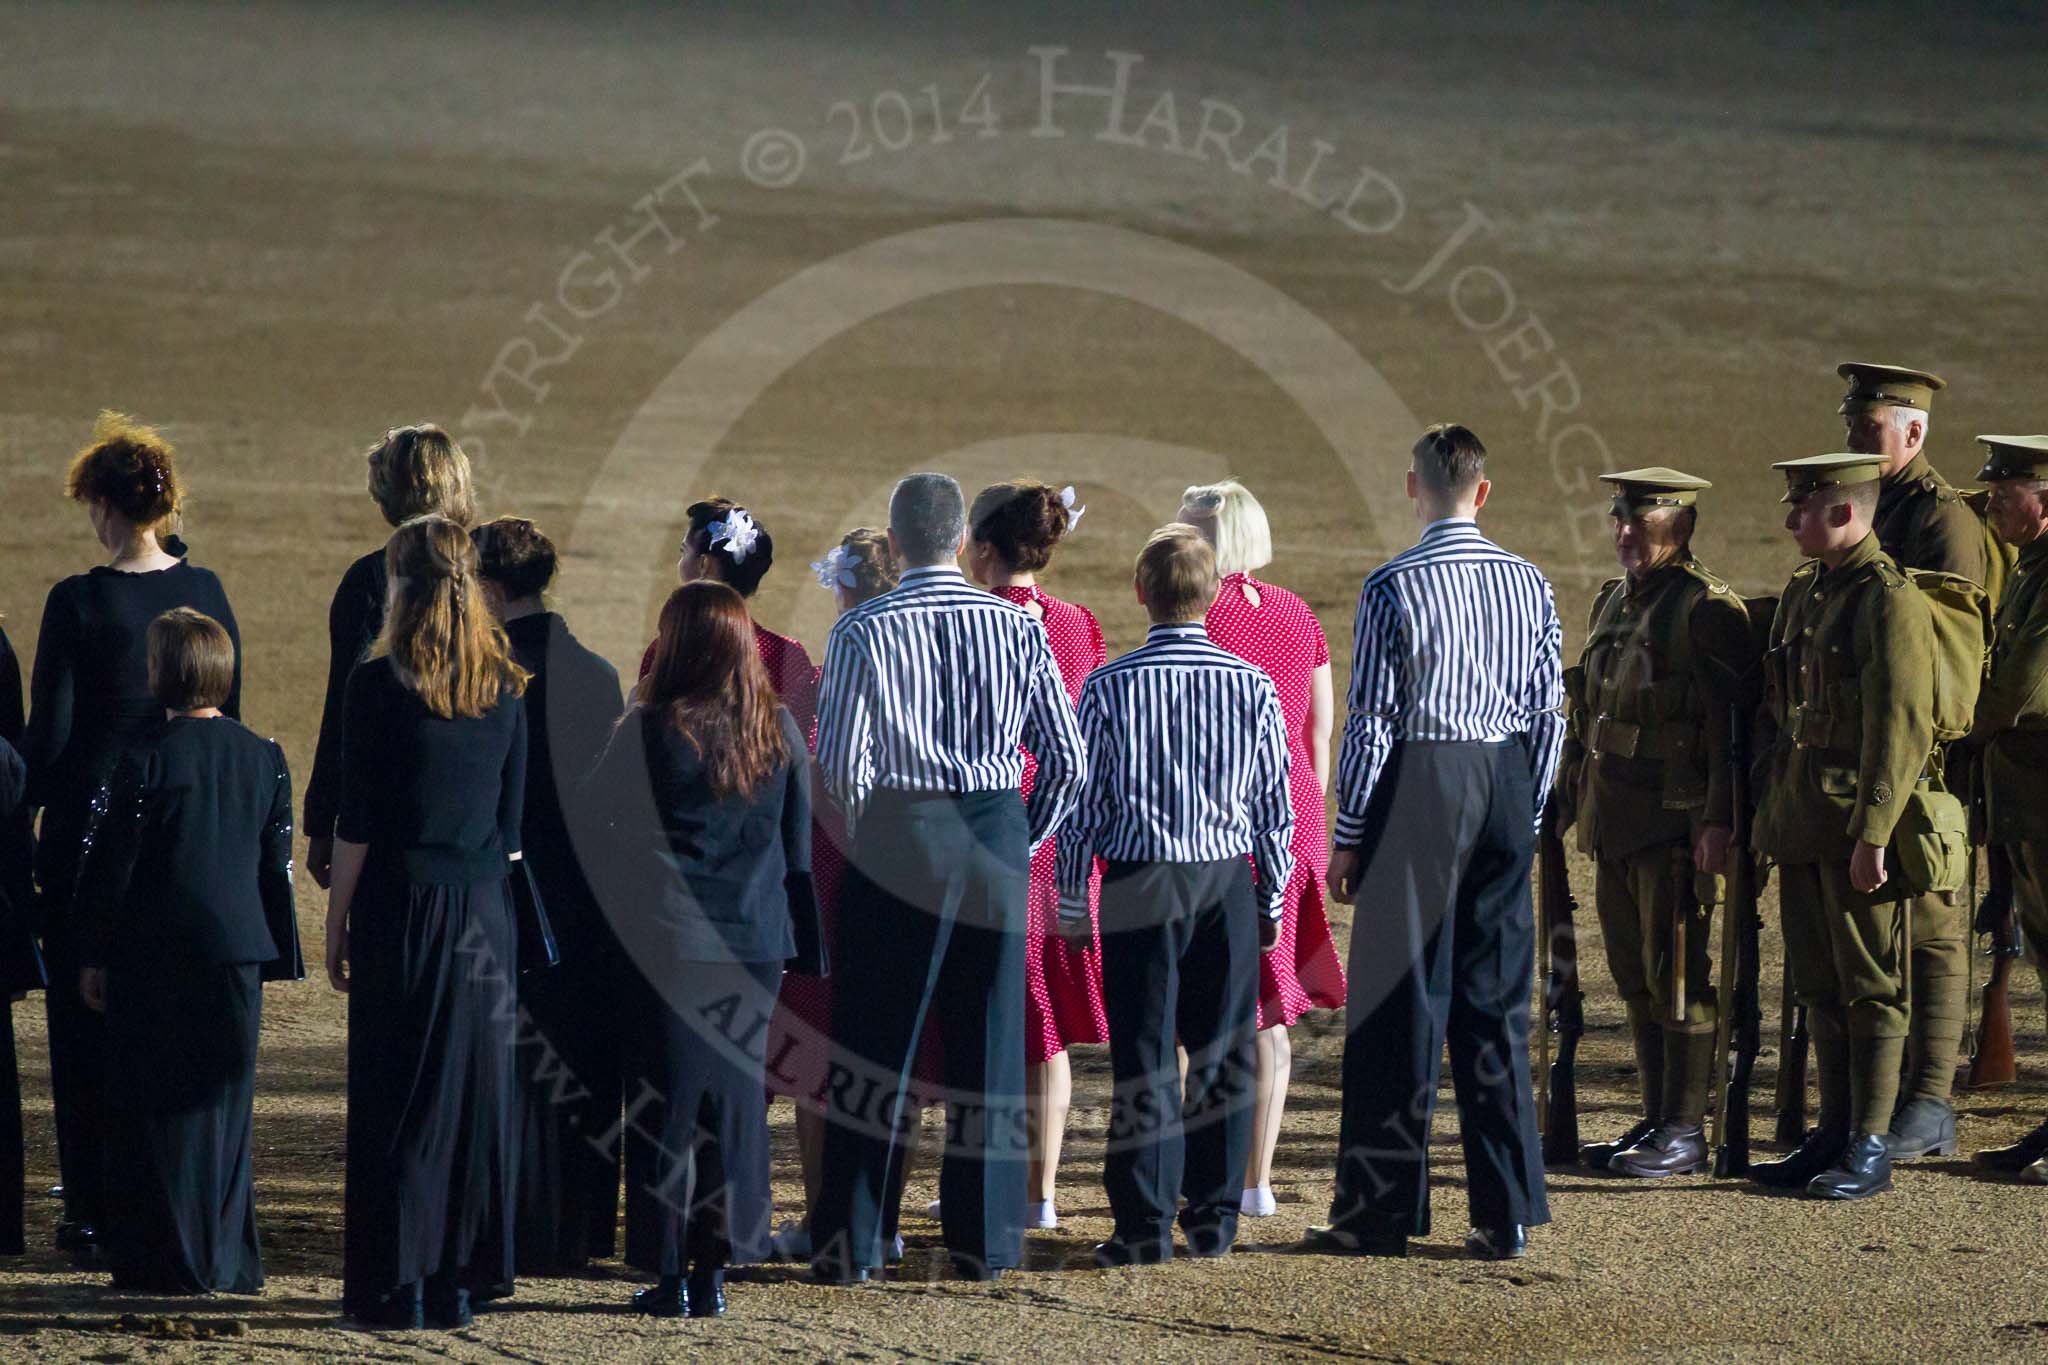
column 1663, row 1153
column 55, row 1191
column 399, row 1311
column 2020, row 1155
column 1116, row 1252
column 1335, row 1241
column 1865, row 1169
column 974, row 1268
column 706, row 1297
column 668, row 1299
column 1793, row 1170
column 1922, row 1128
column 838, row 1272
column 447, row 1310
column 1509, row 1242
column 1596, row 1155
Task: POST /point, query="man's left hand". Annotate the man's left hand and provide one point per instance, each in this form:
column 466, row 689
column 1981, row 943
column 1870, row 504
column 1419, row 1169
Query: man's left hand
column 1710, row 850
column 1269, row 934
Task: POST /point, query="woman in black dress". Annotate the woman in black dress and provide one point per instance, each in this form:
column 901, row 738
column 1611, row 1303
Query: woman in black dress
column 185, row 903
column 414, row 471
column 707, row 789
column 568, row 1058
column 89, row 699
column 420, row 934
column 21, row 966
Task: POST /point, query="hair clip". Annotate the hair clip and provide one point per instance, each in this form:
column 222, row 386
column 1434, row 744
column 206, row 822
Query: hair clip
column 737, row 533
column 836, row 568
column 1073, row 512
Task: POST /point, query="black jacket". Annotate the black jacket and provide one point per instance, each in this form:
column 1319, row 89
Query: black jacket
column 190, row 855
column 696, row 878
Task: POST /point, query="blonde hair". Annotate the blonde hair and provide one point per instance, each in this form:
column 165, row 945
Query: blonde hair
column 419, row 470
column 439, row 632
column 1177, row 573
column 1231, row 519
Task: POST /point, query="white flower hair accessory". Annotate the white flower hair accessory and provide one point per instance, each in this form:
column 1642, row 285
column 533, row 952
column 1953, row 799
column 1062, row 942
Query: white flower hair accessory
column 835, row 570
column 737, row 533
column 1073, row 512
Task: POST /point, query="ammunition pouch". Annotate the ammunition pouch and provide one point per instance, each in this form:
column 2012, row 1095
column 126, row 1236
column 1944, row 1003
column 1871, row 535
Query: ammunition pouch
column 1931, row 842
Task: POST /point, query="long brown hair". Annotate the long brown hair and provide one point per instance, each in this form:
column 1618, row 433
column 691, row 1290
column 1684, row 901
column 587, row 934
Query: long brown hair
column 709, row 685
column 440, row 633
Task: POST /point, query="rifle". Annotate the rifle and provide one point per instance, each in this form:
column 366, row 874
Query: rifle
column 1991, row 1061
column 1740, row 1025
column 1564, row 1004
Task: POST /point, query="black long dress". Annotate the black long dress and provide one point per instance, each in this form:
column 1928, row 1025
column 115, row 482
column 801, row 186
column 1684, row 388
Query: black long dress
column 568, row 1056
column 701, row 890
column 21, row 967
column 185, row 898
column 89, row 699
column 431, row 1007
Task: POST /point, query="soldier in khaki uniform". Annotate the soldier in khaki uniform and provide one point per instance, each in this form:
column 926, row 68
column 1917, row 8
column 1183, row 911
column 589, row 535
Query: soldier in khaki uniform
column 1922, row 523
column 1645, row 778
column 2010, row 731
column 1851, row 691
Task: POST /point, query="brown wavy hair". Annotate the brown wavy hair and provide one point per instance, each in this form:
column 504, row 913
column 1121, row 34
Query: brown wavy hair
column 439, row 632
column 710, row 686
column 872, row 563
column 1022, row 521
column 516, row 555
column 419, row 470
column 130, row 468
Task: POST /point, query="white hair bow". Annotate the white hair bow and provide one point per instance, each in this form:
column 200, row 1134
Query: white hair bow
column 737, row 533
column 1073, row 512
column 836, row 568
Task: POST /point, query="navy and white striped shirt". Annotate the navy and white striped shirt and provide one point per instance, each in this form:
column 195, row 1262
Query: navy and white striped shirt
column 1457, row 640
column 1187, row 763
column 932, row 686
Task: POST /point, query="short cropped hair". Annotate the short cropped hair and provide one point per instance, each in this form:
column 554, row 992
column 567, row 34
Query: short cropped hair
column 516, row 555
column 1449, row 459
column 419, row 470
column 128, row 467
column 1860, row 496
column 191, row 660
column 1177, row 573
column 929, row 515
column 1234, row 522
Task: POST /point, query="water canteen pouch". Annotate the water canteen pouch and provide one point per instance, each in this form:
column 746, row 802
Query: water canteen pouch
column 1931, row 842
column 1962, row 632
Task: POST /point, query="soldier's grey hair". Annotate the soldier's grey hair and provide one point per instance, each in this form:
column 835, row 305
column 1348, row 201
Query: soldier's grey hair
column 1903, row 417
column 928, row 513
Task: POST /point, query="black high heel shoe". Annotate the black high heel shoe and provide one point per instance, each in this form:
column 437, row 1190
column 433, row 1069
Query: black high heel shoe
column 707, row 1292
column 669, row 1299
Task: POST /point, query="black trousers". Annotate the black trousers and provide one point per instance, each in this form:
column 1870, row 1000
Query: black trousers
column 1180, row 956
column 78, row 1079
column 13, row 1166
column 1441, row 946
column 931, row 920
column 696, row 1127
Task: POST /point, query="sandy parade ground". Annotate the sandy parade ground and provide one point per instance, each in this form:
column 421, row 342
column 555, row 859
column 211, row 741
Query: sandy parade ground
column 635, row 255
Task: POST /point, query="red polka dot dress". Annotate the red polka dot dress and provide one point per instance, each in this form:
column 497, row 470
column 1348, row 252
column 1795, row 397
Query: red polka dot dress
column 1063, row 999
column 1282, row 636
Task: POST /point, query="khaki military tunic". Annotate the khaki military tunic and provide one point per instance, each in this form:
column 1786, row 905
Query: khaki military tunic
column 2011, row 731
column 1849, row 679
column 1923, row 523
column 1645, row 766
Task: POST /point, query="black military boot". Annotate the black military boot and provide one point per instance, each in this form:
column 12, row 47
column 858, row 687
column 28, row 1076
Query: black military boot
column 1865, row 1169
column 1597, row 1155
column 2020, row 1155
column 1821, row 1150
column 1670, row 1150
column 1922, row 1127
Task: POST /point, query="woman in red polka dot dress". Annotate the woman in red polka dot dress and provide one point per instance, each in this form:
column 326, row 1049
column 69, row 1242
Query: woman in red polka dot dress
column 1013, row 529
column 1274, row 629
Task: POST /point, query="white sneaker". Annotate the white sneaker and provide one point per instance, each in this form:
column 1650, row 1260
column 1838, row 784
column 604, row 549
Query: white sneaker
column 1259, row 1203
column 1039, row 1214
column 792, row 1242
column 931, row 1210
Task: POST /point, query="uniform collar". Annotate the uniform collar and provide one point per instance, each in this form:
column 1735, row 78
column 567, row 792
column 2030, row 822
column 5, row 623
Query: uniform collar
column 1656, row 578
column 1865, row 551
column 2033, row 551
column 1914, row 471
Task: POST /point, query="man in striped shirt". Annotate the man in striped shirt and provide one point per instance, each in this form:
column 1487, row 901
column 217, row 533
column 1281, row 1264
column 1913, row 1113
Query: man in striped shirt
column 926, row 693
column 1187, row 775
column 1451, row 745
